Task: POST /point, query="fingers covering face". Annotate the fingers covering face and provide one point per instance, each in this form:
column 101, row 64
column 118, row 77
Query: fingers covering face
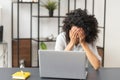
column 78, row 32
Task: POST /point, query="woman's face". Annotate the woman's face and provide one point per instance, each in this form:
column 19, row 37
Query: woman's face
column 75, row 28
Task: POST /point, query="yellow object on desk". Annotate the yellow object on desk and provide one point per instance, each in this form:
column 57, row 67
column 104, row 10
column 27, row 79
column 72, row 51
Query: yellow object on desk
column 21, row 75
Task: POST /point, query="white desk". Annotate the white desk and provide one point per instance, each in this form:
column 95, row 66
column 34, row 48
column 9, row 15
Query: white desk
column 3, row 54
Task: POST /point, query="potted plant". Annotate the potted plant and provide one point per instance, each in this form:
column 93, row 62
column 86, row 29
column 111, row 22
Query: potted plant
column 43, row 46
column 51, row 6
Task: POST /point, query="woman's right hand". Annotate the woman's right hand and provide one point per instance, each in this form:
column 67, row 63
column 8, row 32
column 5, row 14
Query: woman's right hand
column 73, row 33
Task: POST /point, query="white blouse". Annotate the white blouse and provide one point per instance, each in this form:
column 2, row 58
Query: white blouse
column 61, row 45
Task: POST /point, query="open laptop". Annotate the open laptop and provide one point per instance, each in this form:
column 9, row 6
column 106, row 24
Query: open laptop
column 62, row 64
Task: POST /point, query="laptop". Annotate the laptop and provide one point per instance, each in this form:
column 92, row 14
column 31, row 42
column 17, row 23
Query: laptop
column 62, row 64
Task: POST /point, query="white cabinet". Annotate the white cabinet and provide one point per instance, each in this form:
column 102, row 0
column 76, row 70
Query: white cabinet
column 3, row 54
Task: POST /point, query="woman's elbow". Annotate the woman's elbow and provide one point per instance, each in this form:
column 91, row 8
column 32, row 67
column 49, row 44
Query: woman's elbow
column 97, row 66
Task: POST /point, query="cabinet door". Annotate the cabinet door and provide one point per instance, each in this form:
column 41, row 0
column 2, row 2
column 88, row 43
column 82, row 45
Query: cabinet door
column 24, row 52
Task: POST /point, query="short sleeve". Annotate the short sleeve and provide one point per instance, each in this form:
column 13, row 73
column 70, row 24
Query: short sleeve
column 60, row 42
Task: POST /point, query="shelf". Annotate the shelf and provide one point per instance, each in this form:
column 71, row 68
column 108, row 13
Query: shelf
column 20, row 38
column 50, row 17
column 44, row 40
column 35, row 39
column 27, row 2
column 100, row 47
column 100, row 27
column 3, row 42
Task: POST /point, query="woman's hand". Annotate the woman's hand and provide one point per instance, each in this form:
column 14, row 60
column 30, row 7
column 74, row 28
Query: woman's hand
column 73, row 33
column 81, row 35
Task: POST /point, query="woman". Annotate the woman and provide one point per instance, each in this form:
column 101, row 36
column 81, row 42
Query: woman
column 80, row 32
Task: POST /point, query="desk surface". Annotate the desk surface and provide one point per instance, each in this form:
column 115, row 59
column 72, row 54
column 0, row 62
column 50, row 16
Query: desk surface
column 102, row 74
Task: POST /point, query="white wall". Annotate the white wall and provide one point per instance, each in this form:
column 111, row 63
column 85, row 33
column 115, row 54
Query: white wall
column 6, row 22
column 112, row 40
column 0, row 15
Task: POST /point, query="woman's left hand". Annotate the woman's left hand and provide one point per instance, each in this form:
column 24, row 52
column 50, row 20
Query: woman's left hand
column 81, row 35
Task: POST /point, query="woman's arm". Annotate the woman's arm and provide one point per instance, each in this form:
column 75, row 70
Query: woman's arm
column 69, row 47
column 95, row 62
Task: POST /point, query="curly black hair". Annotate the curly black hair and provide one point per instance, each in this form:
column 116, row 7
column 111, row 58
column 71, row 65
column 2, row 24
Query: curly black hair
column 81, row 19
